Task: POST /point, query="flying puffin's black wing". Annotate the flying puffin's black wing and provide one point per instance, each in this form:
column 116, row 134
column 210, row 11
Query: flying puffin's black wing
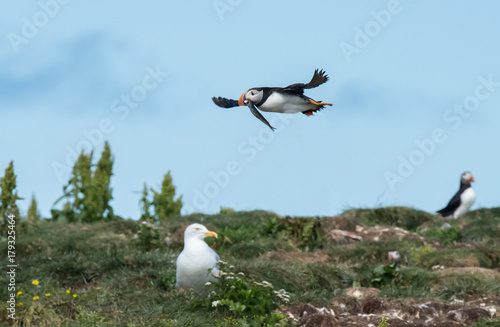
column 318, row 78
column 225, row 103
column 452, row 205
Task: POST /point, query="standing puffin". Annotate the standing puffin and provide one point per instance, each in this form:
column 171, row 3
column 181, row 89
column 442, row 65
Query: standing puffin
column 290, row 99
column 461, row 202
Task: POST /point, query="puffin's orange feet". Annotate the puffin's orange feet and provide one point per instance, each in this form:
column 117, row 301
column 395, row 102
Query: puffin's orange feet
column 320, row 103
column 308, row 112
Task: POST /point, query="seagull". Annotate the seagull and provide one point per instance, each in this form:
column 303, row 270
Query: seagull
column 461, row 202
column 289, row 99
column 197, row 263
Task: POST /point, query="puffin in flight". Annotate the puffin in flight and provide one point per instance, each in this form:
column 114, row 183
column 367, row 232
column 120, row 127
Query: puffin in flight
column 461, row 202
column 290, row 99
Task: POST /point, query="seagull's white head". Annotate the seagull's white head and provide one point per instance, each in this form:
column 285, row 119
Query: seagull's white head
column 198, row 231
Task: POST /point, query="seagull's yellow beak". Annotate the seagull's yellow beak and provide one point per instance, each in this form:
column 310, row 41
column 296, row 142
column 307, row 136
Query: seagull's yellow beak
column 211, row 234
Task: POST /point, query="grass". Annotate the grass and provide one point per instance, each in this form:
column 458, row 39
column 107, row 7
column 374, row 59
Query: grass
column 123, row 276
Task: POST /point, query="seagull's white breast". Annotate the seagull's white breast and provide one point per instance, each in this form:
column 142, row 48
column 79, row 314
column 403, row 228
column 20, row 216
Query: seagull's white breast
column 193, row 266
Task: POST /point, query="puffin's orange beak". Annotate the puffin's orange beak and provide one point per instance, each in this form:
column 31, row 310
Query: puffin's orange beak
column 242, row 98
column 472, row 179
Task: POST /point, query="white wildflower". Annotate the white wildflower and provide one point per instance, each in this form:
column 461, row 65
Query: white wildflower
column 208, row 283
column 215, row 303
column 220, row 273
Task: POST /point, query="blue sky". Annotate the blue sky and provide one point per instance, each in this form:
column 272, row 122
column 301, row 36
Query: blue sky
column 415, row 87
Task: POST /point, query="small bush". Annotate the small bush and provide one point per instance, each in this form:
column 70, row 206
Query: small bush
column 244, row 297
column 304, row 233
column 226, row 210
column 148, row 237
column 447, row 236
column 385, row 274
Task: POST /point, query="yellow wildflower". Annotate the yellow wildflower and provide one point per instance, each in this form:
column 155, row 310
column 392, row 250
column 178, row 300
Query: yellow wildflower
column 35, row 298
column 74, row 295
column 19, row 293
column 19, row 304
column 35, row 282
column 68, row 291
column 98, row 288
column 47, row 294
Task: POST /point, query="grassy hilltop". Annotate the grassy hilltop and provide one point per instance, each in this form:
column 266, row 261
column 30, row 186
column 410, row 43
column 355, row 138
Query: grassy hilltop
column 122, row 273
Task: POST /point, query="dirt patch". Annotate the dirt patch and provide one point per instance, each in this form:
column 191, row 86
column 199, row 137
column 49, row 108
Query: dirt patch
column 372, row 305
column 344, row 311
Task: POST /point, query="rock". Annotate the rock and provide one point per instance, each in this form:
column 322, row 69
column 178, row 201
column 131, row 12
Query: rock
column 361, row 292
column 445, row 226
column 468, row 315
column 308, row 315
column 342, row 236
column 343, row 305
column 378, row 233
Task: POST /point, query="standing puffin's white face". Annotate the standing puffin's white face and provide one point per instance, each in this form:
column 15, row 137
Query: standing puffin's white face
column 198, row 231
column 467, row 177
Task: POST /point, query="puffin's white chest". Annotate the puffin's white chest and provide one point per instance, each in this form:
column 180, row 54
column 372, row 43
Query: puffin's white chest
column 286, row 103
column 466, row 201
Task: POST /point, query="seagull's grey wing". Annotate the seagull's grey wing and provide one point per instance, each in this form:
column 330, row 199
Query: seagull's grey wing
column 217, row 258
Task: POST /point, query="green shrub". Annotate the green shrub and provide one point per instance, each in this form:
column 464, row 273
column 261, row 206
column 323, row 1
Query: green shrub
column 226, row 210
column 447, row 236
column 244, row 297
column 385, row 274
column 304, row 233
column 148, row 236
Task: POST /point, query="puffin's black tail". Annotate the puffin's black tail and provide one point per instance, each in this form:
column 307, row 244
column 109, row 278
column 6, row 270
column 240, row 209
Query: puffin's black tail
column 445, row 212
